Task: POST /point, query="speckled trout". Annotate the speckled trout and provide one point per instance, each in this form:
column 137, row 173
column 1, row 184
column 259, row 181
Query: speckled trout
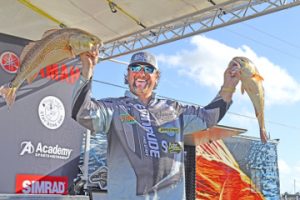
column 54, row 47
column 252, row 83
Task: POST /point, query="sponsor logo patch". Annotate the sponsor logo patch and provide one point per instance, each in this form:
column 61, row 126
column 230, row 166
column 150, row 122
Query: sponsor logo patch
column 51, row 112
column 165, row 115
column 171, row 131
column 38, row 184
column 9, row 62
column 127, row 118
column 174, row 147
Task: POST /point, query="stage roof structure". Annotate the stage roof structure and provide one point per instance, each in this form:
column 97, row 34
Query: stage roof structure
column 126, row 26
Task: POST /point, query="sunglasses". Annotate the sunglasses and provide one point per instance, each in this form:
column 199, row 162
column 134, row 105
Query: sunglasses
column 137, row 67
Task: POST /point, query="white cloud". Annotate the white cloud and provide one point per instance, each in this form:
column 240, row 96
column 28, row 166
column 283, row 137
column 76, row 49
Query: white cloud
column 297, row 167
column 286, row 176
column 206, row 63
column 289, row 176
column 284, row 168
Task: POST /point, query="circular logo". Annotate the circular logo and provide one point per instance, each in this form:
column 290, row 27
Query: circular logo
column 51, row 112
column 10, row 62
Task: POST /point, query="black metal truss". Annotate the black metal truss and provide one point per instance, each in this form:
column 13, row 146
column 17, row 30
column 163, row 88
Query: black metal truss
column 216, row 16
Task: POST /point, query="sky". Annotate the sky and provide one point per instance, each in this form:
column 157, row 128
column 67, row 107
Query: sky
column 192, row 71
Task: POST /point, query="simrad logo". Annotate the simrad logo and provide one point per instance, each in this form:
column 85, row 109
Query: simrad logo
column 45, row 151
column 37, row 184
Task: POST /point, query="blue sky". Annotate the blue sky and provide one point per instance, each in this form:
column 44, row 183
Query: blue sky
column 192, row 70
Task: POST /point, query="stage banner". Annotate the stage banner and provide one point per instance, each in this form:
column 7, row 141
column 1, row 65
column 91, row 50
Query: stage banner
column 40, row 142
column 97, row 165
column 237, row 168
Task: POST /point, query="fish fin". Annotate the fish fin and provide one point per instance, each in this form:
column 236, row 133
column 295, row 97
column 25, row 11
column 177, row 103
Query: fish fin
column 9, row 94
column 31, row 79
column 257, row 77
column 29, row 46
column 242, row 89
column 263, row 136
column 48, row 32
column 25, row 50
column 70, row 50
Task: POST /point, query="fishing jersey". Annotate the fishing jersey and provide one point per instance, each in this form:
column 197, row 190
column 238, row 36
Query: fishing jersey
column 145, row 142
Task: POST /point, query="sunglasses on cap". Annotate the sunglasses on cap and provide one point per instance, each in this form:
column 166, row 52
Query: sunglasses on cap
column 138, row 67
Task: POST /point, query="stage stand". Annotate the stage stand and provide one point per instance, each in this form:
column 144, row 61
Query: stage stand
column 42, row 197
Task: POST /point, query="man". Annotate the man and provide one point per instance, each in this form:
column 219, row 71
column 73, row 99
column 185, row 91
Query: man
column 145, row 134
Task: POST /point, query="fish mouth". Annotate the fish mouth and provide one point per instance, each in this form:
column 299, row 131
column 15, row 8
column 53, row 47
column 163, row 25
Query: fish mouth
column 82, row 43
column 95, row 46
column 97, row 41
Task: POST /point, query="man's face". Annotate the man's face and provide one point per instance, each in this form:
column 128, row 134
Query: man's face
column 142, row 79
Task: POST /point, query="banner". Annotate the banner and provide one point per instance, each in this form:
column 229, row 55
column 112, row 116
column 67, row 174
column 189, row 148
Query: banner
column 38, row 137
column 96, row 165
column 237, row 168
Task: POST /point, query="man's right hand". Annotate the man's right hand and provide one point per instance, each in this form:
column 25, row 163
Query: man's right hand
column 89, row 60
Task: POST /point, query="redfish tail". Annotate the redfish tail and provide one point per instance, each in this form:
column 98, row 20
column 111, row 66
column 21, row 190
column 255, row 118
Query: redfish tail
column 263, row 136
column 8, row 93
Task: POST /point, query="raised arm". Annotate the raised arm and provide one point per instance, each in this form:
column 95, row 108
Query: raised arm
column 88, row 112
column 218, row 107
column 231, row 79
column 197, row 119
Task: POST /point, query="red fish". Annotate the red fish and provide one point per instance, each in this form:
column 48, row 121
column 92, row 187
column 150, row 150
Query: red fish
column 252, row 84
column 54, row 47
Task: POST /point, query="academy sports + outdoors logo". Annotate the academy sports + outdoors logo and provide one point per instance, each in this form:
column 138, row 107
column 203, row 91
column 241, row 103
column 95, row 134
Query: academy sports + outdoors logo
column 9, row 62
column 38, row 184
column 45, row 151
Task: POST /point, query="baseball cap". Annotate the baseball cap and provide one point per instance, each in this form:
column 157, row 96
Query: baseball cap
column 144, row 58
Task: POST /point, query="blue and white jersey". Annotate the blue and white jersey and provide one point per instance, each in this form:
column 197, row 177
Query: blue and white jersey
column 145, row 142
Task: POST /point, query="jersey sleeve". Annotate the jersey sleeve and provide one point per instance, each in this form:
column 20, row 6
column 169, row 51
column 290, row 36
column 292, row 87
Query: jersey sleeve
column 90, row 113
column 197, row 118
